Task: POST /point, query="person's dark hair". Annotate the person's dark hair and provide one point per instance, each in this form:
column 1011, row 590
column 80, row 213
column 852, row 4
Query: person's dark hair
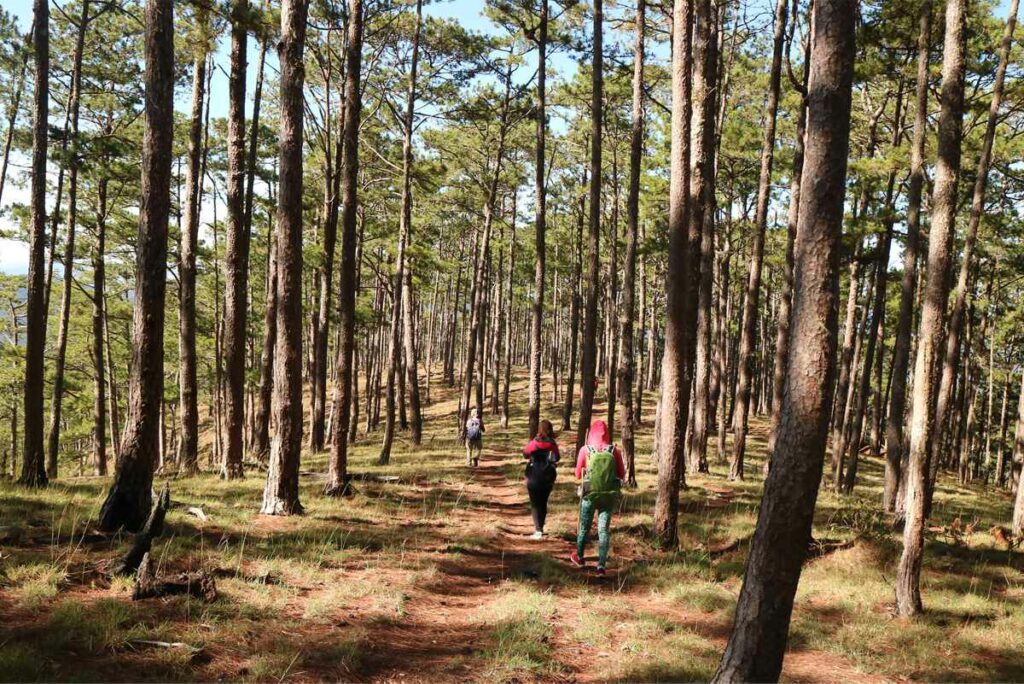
column 545, row 429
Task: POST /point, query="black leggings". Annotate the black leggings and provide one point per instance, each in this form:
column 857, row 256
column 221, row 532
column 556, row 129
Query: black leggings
column 540, row 489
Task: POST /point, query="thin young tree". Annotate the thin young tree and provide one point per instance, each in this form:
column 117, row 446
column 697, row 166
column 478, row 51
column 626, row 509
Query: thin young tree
column 33, row 466
column 782, row 337
column 540, row 223
column 627, row 311
column 128, row 501
column 74, row 152
column 1017, row 522
column 188, row 444
column 588, row 364
column 745, row 360
column 761, row 627
column 680, row 309
column 99, row 302
column 873, row 329
column 933, row 311
column 337, row 477
column 403, row 334
column 281, row 494
column 961, row 294
column 894, row 434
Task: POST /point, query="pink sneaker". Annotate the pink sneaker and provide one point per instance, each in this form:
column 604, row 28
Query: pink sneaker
column 576, row 560
column 600, row 571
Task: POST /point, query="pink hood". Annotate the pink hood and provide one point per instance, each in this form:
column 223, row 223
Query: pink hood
column 598, row 434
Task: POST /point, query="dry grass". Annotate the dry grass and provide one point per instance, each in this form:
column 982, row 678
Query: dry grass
column 430, row 577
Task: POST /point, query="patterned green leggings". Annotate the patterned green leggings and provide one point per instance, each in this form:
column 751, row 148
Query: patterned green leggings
column 604, row 535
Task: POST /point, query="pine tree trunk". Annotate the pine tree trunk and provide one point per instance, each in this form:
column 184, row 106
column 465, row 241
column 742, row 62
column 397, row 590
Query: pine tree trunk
column 1017, row 523
column 936, row 295
column 188, row 454
column 98, row 316
column 411, row 347
column 761, row 627
column 509, row 315
column 321, row 315
column 588, row 366
column 347, row 382
column 401, row 318
column 895, row 458
column 961, row 293
column 69, row 249
column 1001, row 445
column 746, row 355
column 574, row 313
column 236, row 282
column 33, row 466
column 782, row 337
column 281, row 494
column 474, row 332
column 128, row 502
column 537, row 322
column 628, row 311
column 680, row 305
column 702, row 216
column 844, row 482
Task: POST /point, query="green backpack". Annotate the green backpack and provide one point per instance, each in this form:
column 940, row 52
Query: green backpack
column 604, row 481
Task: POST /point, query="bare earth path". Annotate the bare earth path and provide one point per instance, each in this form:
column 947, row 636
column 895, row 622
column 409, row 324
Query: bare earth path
column 444, row 629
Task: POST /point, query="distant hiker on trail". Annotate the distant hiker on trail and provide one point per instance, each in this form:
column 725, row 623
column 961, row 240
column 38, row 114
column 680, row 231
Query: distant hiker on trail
column 474, row 438
column 600, row 468
column 542, row 454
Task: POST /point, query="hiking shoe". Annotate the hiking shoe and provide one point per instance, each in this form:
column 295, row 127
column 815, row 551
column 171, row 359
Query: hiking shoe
column 575, row 559
column 537, row 535
column 600, row 571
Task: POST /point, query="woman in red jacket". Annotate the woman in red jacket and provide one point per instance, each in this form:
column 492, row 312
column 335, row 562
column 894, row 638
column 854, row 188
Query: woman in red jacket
column 542, row 455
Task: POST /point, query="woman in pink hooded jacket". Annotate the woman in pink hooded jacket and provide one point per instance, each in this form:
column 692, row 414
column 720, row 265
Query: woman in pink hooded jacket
column 598, row 441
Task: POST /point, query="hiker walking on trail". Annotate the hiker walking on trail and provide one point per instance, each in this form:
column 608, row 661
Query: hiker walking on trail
column 600, row 469
column 542, row 455
column 474, row 438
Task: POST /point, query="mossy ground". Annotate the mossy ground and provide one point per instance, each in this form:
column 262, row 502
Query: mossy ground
column 433, row 577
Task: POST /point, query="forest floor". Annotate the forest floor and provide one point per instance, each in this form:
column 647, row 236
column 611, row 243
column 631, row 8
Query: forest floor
column 427, row 573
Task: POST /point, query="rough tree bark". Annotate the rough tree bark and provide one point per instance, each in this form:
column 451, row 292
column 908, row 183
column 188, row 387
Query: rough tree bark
column 33, row 467
column 963, row 284
column 188, row 446
column 933, row 311
column 99, row 302
column 680, row 307
column 236, row 257
column 894, row 456
column 128, row 502
column 628, row 310
column 761, row 628
column 1017, row 523
column 281, row 494
column 337, row 476
column 702, row 218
